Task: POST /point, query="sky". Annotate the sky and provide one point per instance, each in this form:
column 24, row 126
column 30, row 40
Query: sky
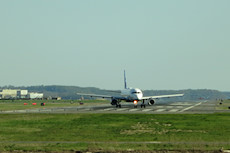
column 162, row 44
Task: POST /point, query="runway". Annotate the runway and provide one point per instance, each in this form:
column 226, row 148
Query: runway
column 201, row 107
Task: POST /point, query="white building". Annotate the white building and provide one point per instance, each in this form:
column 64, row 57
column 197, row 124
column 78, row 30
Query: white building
column 8, row 93
column 22, row 93
column 34, row 95
column 19, row 94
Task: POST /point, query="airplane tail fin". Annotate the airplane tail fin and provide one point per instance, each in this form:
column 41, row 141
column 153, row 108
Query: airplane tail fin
column 125, row 80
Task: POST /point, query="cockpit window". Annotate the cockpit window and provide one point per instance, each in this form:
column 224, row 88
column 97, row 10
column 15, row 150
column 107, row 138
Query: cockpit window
column 136, row 92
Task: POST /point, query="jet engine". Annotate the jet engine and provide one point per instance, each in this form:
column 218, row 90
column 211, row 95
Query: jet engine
column 114, row 102
column 151, row 102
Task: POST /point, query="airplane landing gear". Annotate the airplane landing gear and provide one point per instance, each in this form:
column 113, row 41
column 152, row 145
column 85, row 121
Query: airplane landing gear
column 143, row 104
column 118, row 106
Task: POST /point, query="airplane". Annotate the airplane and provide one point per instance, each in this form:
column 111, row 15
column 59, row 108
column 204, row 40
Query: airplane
column 131, row 95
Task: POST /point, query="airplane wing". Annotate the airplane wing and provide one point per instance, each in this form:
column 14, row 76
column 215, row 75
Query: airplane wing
column 103, row 96
column 94, row 95
column 162, row 96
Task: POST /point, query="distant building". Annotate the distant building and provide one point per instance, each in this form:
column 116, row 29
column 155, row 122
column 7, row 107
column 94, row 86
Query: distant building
column 22, row 94
column 8, row 93
column 19, row 94
column 11, row 93
column 34, row 95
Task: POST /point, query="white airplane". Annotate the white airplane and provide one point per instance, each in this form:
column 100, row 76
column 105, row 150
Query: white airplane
column 131, row 95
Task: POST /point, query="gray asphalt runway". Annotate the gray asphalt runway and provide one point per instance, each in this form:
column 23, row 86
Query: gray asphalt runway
column 159, row 108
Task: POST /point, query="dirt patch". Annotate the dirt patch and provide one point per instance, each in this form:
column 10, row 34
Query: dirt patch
column 141, row 128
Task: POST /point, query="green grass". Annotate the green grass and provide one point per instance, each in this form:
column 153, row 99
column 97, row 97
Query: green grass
column 113, row 132
column 6, row 105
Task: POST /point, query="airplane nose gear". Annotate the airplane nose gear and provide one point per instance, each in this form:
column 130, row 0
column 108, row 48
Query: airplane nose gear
column 118, row 106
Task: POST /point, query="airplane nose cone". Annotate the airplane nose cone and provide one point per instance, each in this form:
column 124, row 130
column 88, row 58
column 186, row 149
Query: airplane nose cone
column 138, row 97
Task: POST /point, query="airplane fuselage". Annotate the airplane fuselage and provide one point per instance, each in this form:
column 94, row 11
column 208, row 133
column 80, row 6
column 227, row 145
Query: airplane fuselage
column 132, row 94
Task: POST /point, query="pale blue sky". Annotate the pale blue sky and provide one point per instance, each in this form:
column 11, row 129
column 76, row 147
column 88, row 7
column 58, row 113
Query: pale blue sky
column 164, row 44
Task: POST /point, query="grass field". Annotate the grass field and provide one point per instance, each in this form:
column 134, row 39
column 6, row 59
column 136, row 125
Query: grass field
column 114, row 132
column 6, row 105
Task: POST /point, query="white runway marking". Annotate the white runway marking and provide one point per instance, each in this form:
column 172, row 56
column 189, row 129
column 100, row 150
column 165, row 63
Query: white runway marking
column 182, row 103
column 190, row 107
column 108, row 109
column 132, row 110
column 160, row 110
column 159, row 106
column 146, row 110
column 173, row 110
column 122, row 109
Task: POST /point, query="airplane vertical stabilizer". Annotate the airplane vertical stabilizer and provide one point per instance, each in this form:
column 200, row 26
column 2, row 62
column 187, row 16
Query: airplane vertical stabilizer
column 125, row 80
